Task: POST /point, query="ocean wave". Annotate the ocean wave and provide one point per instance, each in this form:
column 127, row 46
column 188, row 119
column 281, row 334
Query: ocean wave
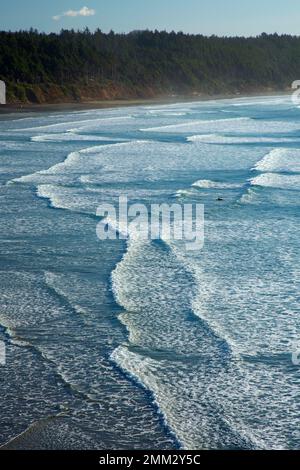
column 137, row 161
column 208, row 184
column 222, row 139
column 240, row 127
column 190, row 124
column 165, row 112
column 71, row 137
column 22, row 305
column 274, row 197
column 167, row 352
column 13, row 145
column 80, row 124
column 68, row 198
column 274, row 180
column 73, row 164
column 186, row 192
column 280, row 160
column 266, row 102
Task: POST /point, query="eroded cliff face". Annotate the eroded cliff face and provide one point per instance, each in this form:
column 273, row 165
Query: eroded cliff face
column 93, row 91
column 83, row 92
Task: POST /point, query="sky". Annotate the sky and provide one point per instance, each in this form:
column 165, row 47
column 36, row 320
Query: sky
column 220, row 17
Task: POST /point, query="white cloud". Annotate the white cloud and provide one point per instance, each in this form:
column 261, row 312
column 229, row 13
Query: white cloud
column 84, row 11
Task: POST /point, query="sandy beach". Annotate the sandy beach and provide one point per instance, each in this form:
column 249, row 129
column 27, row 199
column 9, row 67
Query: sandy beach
column 31, row 109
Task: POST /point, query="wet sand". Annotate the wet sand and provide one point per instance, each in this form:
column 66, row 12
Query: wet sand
column 15, row 110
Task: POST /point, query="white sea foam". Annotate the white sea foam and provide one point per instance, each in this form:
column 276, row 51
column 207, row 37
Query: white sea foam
column 13, row 145
column 72, row 199
column 70, row 137
column 238, row 125
column 139, row 161
column 188, row 125
column 103, row 124
column 274, row 180
column 208, row 184
column 222, row 139
column 22, row 300
column 33, row 307
column 179, row 360
column 280, row 160
column 166, row 112
column 69, row 126
column 265, row 102
column 186, row 192
column 76, row 183
column 208, row 413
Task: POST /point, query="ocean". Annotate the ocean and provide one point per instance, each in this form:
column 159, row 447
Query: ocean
column 139, row 344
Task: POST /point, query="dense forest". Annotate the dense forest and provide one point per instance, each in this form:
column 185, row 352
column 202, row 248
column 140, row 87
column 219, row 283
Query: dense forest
column 81, row 66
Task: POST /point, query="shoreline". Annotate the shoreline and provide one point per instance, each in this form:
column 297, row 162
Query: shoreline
column 15, row 110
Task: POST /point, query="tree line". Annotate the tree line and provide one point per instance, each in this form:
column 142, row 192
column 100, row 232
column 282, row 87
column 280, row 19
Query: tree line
column 143, row 63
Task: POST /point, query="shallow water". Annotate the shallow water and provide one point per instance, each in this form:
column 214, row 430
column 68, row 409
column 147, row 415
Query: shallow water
column 143, row 344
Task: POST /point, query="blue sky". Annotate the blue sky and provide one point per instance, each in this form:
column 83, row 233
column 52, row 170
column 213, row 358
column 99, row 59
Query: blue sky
column 221, row 17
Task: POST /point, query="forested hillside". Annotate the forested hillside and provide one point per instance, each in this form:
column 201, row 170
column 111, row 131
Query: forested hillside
column 78, row 66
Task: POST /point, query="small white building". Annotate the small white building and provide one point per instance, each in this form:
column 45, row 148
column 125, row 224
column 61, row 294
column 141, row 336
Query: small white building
column 2, row 92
